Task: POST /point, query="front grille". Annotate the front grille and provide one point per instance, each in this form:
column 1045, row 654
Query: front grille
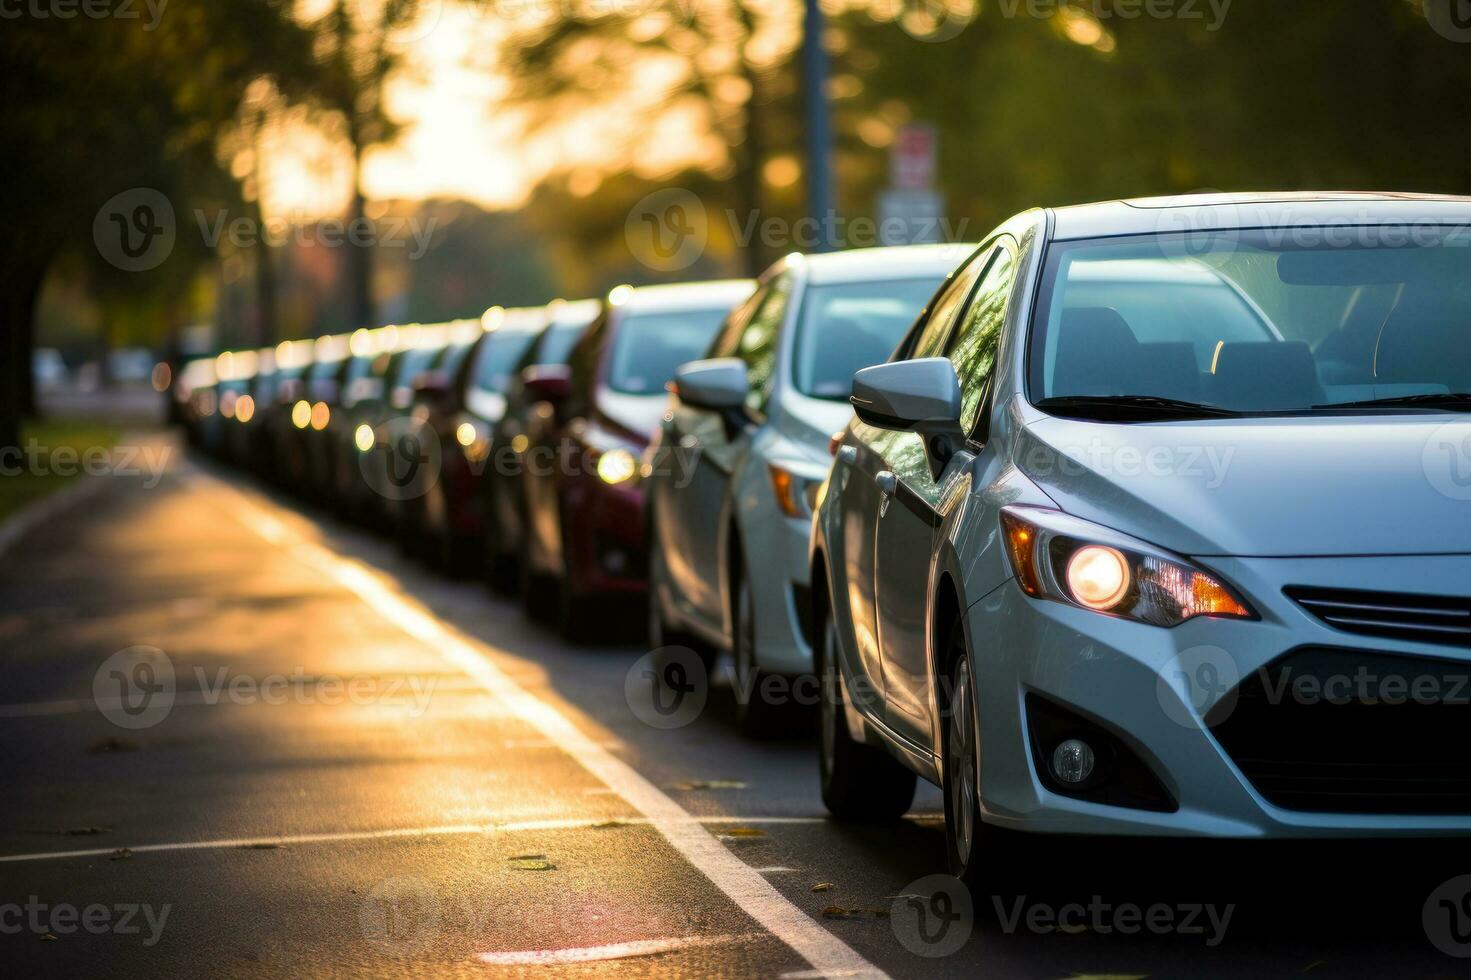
column 1400, row 615
column 1342, row 731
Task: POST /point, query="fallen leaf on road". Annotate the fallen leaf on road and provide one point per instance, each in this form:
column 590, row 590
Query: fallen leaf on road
column 839, row 912
column 49, row 938
column 710, row 784
column 742, row 832
column 260, row 847
column 823, row 886
column 609, row 824
column 111, row 743
column 531, row 862
column 121, row 854
column 85, row 831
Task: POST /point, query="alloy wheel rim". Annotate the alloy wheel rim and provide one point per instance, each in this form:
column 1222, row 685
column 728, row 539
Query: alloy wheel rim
column 961, row 761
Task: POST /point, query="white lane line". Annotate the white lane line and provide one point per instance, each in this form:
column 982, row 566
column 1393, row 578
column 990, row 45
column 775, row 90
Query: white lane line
column 612, row 951
column 510, row 827
column 756, row 896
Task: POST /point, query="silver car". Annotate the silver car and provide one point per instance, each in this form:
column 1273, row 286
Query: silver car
column 744, row 447
column 1159, row 523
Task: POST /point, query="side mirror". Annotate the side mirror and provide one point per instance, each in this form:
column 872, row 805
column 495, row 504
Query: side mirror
column 920, row 396
column 719, row 384
column 547, row 382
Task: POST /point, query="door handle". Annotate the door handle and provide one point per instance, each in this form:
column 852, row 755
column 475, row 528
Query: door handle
column 848, row 454
column 886, row 481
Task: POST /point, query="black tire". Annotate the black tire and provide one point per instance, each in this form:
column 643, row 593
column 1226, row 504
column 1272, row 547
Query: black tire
column 540, row 593
column 859, row 782
column 970, row 845
column 757, row 713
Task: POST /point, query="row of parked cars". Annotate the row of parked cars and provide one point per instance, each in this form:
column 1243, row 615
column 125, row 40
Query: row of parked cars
column 1060, row 520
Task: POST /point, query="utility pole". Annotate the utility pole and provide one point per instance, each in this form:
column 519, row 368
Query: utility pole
column 819, row 130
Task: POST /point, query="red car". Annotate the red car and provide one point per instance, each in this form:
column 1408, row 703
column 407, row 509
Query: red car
column 584, row 537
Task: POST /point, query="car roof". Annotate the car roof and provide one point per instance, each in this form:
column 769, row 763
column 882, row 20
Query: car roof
column 684, row 295
column 1209, row 212
column 890, row 262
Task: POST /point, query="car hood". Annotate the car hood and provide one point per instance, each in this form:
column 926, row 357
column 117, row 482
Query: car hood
column 637, row 415
column 1264, row 487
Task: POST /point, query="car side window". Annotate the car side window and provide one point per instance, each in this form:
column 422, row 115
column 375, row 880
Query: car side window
column 931, row 339
column 756, row 344
column 972, row 348
column 728, row 340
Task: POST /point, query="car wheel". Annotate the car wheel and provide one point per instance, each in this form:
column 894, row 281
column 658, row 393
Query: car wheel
column 966, row 836
column 540, row 594
column 859, row 782
column 757, row 713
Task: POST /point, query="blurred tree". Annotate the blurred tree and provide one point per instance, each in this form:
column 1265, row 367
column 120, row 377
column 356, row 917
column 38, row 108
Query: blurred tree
column 358, row 44
column 607, row 82
column 98, row 107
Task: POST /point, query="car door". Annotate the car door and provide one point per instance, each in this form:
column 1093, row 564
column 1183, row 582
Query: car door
column 859, row 500
column 909, row 515
column 711, row 452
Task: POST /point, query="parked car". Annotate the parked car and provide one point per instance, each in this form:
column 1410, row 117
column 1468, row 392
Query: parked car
column 351, row 429
column 559, row 325
column 311, row 414
column 744, row 447
column 236, row 371
column 250, row 442
column 461, row 411
column 285, row 463
column 48, row 368
column 392, row 467
column 584, row 524
column 1126, row 496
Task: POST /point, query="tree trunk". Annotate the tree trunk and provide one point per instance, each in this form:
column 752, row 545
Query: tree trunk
column 21, row 285
column 265, row 289
column 359, row 257
column 748, row 162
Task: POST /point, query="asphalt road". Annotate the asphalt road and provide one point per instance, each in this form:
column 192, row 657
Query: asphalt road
column 238, row 739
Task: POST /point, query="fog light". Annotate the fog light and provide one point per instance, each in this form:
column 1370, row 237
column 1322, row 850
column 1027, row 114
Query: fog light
column 1072, row 761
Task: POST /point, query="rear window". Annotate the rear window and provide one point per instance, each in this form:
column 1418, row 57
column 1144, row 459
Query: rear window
column 845, row 327
column 649, row 346
column 495, row 362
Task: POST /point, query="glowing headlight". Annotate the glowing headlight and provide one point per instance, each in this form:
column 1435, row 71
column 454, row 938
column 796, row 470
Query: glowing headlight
column 301, row 414
column 363, row 438
column 466, row 435
column 1059, row 557
column 321, row 415
column 617, row 466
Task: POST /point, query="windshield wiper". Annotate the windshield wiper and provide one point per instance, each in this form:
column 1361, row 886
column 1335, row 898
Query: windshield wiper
column 1457, row 401
column 1132, row 407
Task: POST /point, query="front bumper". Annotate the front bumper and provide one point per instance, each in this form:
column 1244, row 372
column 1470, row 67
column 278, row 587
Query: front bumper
column 1155, row 688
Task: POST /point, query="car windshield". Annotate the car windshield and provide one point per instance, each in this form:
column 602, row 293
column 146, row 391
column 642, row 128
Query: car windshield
column 649, row 346
column 845, row 327
column 1254, row 322
column 495, row 361
column 556, row 343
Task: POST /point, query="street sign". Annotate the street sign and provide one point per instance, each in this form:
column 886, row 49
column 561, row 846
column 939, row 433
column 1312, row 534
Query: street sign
column 909, row 216
column 912, row 156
